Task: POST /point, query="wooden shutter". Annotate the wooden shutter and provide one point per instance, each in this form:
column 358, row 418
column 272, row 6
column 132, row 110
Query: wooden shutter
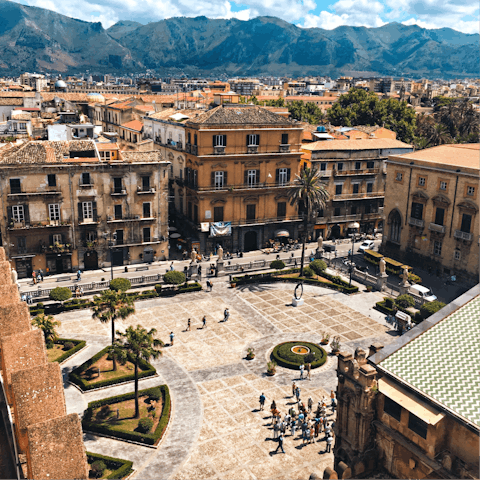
column 224, row 140
column 245, row 177
column 257, row 137
column 94, row 211
column 288, row 174
column 9, row 214
column 50, row 240
column 26, row 214
column 247, row 141
column 277, row 175
column 213, row 179
column 213, row 141
column 225, row 181
column 257, row 177
column 80, row 212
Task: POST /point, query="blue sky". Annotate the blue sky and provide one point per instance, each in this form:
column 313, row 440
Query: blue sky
column 461, row 15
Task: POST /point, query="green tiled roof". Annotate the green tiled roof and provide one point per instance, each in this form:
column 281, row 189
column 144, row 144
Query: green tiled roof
column 443, row 362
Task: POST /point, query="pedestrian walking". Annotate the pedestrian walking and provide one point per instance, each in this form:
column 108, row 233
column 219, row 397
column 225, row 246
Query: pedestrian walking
column 226, row 315
column 262, row 401
column 317, row 427
column 287, row 419
column 294, row 387
column 297, row 394
column 329, row 444
column 320, row 425
column 280, row 444
column 172, row 268
column 276, row 430
column 172, row 336
column 293, row 427
column 29, row 299
column 334, row 405
column 273, row 408
column 40, row 276
column 312, row 434
column 204, row 322
column 310, row 404
column 79, row 275
column 189, row 325
column 309, row 370
column 34, row 277
column 200, row 271
column 328, row 429
column 302, row 368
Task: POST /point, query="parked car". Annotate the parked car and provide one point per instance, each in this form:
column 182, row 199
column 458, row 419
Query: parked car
column 366, row 245
column 423, row 292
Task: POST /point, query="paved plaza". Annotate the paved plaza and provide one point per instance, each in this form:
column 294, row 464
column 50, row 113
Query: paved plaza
column 216, row 430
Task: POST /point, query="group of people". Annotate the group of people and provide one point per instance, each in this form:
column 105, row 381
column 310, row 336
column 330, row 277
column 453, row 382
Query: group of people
column 307, row 422
column 37, row 277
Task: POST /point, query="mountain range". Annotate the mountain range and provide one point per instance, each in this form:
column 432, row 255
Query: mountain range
column 36, row 39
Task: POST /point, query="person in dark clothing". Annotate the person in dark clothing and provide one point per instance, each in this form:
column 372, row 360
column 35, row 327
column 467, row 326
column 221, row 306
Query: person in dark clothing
column 280, row 443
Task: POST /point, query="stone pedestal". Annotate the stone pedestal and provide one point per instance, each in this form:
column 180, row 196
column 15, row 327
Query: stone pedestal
column 193, row 269
column 297, row 303
column 404, row 287
column 319, row 253
column 220, row 267
column 382, row 281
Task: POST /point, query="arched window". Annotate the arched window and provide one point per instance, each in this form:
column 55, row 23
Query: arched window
column 395, row 222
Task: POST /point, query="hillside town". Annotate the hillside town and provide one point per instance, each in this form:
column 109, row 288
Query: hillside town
column 175, row 253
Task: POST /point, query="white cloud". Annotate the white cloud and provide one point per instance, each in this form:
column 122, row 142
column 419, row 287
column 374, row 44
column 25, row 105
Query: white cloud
column 460, row 25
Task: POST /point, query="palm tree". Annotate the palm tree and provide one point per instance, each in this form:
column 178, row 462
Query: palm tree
column 139, row 344
column 109, row 306
column 309, row 194
column 47, row 325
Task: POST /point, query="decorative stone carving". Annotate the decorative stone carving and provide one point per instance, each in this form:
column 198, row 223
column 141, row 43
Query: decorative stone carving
column 382, row 265
column 220, row 253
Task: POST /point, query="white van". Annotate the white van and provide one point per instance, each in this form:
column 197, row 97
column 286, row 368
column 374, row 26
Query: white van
column 423, row 292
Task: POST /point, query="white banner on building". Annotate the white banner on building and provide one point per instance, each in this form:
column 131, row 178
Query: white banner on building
column 220, row 229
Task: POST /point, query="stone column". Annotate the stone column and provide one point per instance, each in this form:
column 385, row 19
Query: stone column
column 382, row 281
column 220, row 267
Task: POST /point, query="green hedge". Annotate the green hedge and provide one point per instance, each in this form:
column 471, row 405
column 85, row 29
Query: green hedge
column 283, row 355
column 392, row 266
column 79, row 344
column 74, row 376
column 121, row 468
column 383, row 307
column 148, row 438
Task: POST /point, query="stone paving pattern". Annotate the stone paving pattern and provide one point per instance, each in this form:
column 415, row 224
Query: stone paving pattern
column 215, row 429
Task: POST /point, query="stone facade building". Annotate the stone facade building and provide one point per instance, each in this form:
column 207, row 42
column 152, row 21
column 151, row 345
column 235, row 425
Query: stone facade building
column 66, row 208
column 406, row 411
column 354, row 174
column 431, row 209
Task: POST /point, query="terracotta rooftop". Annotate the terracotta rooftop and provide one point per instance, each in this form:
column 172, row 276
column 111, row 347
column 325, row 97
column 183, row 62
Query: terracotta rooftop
column 141, row 157
column 240, row 115
column 367, row 144
column 168, row 112
column 466, row 155
column 5, row 94
column 11, row 101
column 136, row 125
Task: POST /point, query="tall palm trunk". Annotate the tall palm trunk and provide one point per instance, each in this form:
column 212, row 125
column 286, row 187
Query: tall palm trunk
column 137, row 410
column 304, row 241
column 114, row 360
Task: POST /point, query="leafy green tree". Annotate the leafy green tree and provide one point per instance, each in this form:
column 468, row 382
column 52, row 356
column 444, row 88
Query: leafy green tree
column 405, row 301
column 47, row 325
column 139, row 344
column 306, row 112
column 120, row 284
column 60, row 294
column 174, row 278
column 309, row 194
column 429, row 308
column 110, row 306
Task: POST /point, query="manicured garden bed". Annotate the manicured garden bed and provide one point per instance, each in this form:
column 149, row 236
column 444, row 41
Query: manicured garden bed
column 116, row 468
column 58, row 353
column 101, row 415
column 85, row 377
column 283, row 355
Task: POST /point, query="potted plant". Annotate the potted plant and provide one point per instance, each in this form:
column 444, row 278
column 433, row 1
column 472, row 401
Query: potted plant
column 369, row 288
column 325, row 338
column 250, row 354
column 233, row 284
column 335, row 345
column 271, row 368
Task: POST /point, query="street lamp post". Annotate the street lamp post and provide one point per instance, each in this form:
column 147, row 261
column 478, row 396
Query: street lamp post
column 111, row 244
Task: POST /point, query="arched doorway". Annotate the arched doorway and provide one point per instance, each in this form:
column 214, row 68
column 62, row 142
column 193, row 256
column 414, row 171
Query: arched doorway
column 395, row 230
column 250, row 241
column 90, row 260
column 335, row 232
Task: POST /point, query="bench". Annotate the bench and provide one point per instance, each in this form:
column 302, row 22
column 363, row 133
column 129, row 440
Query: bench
column 140, row 269
column 64, row 279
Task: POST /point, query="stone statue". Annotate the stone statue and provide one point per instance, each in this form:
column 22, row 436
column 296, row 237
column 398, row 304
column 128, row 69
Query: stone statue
column 405, row 276
column 320, row 243
column 220, row 253
column 193, row 255
column 14, row 276
column 383, row 266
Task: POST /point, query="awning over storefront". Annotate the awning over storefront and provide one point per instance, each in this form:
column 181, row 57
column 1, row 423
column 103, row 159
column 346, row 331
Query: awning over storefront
column 20, row 257
column 353, row 225
column 282, row 233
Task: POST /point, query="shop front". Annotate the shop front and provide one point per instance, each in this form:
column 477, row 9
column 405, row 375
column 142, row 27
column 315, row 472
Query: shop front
column 23, row 265
column 59, row 263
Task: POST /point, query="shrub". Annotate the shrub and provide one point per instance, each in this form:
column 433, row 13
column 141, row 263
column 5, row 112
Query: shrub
column 412, row 278
column 155, row 394
column 277, row 265
column 318, row 266
column 283, row 355
column 389, row 302
column 120, row 284
column 120, row 468
column 308, row 272
column 309, row 358
column 49, row 344
column 68, row 346
column 78, row 345
column 145, row 425
column 429, row 308
column 97, row 469
column 60, row 294
column 158, row 288
column 174, row 278
column 405, row 301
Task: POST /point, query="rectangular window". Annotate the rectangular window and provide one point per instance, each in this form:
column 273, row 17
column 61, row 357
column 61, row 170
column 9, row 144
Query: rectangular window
column 18, row 213
column 392, row 408
column 117, row 185
column 86, row 179
column 338, row 189
column 336, row 212
column 421, row 181
column 369, row 187
column 281, row 209
column 417, row 210
column 118, row 212
column 457, row 254
column 284, row 138
column 340, row 166
column 219, row 179
column 219, row 140
column 251, row 212
column 323, row 166
column 57, row 238
column 353, row 210
column 54, row 211
column 439, row 216
column 466, row 224
column 370, row 165
column 15, row 186
column 218, row 214
column 283, row 176
column 253, row 139
column 119, row 240
column 398, row 176
column 146, row 234
column 146, row 210
column 252, row 177
column 52, row 180
column 358, row 165
column 87, row 210
column 356, row 187
column 437, row 248
column 470, row 191
column 417, row 425
column 22, row 244
column 145, row 183
column 443, row 185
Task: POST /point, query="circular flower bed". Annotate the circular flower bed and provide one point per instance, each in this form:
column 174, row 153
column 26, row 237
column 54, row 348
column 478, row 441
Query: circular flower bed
column 300, row 350
column 285, row 356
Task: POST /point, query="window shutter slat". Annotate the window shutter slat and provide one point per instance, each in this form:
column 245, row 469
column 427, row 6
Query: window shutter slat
column 26, row 214
column 245, row 177
column 277, row 175
column 94, row 210
column 80, row 212
column 213, row 178
column 224, row 140
column 225, row 181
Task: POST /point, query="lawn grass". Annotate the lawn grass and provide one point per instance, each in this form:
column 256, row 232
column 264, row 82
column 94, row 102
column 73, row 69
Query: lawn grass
column 313, row 277
column 55, row 352
column 106, row 371
column 116, row 467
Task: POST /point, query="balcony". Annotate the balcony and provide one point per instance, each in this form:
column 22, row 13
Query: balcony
column 252, row 149
column 219, row 150
column 85, row 185
column 347, row 218
column 415, row 222
column 33, row 225
column 188, row 147
column 131, row 218
column 434, row 227
column 358, row 196
column 118, row 192
column 194, row 149
column 260, row 221
column 284, row 148
column 369, row 171
column 89, row 221
column 143, row 190
column 32, row 194
column 458, row 234
column 240, row 186
column 372, row 215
